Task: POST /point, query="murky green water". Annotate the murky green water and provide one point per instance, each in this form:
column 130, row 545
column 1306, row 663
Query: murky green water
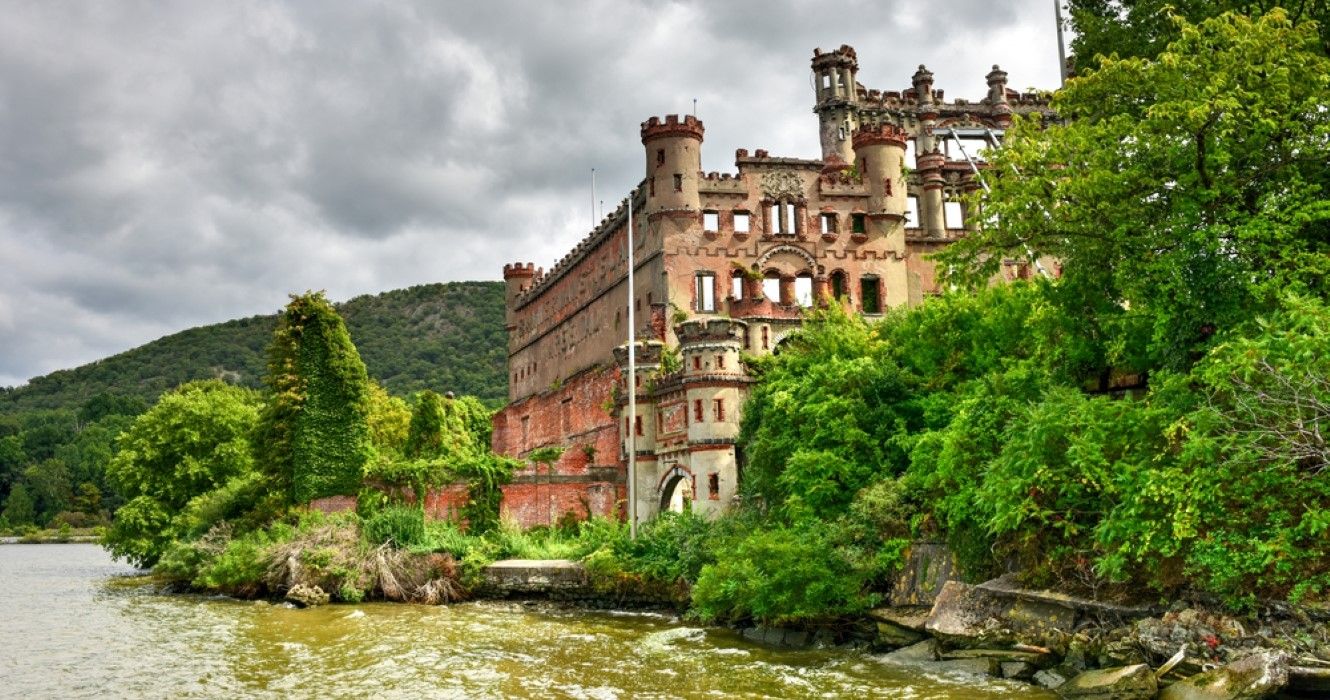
column 68, row 629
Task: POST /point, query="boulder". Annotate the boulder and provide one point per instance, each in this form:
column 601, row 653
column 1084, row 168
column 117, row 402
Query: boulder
column 777, row 636
column 307, row 596
column 915, row 653
column 989, row 615
column 978, row 666
column 1002, row 655
column 1018, row 670
column 1123, row 683
column 1053, row 678
column 1260, row 675
column 892, row 636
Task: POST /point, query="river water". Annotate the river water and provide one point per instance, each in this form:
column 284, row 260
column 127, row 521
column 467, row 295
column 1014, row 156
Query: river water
column 74, row 624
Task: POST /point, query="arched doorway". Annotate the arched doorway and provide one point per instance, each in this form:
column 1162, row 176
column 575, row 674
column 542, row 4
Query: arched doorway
column 676, row 493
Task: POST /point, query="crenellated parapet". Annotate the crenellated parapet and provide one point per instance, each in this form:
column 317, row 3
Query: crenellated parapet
column 880, row 135
column 519, row 270
column 672, row 126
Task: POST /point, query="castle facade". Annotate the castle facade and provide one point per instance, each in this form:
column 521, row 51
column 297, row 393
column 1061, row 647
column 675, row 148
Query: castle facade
column 725, row 264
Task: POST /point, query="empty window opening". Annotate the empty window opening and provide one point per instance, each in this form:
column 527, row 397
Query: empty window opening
column 660, row 156
column 697, row 410
column 953, row 216
column 870, row 289
column 526, row 430
column 713, row 487
column 826, row 81
column 737, row 285
column 782, row 218
column 828, row 223
column 910, row 152
column 803, row 291
column 766, row 338
column 741, row 222
column 697, row 362
column 706, row 292
column 838, row 290
column 637, row 425
column 718, row 409
column 857, row 223
column 678, row 182
column 912, row 212
column 720, row 361
column 711, row 221
column 771, row 288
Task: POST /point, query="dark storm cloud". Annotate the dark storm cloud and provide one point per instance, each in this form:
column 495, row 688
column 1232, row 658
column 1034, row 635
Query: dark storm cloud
column 164, row 165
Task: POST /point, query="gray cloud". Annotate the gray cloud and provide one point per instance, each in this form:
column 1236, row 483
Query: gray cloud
column 164, row 165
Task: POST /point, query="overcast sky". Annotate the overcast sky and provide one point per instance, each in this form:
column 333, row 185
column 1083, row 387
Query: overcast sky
column 170, row 164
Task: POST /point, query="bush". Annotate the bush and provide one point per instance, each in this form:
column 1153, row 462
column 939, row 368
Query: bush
column 402, row 526
column 780, row 576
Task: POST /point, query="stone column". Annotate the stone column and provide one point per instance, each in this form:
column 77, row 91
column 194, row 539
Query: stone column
column 787, row 290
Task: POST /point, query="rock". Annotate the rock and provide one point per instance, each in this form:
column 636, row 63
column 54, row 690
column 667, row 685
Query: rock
column 893, row 636
column 1018, row 670
column 1123, row 683
column 306, row 596
column 979, row 666
column 1002, row 655
column 1257, row 676
column 909, row 616
column 1053, row 678
column 777, row 636
column 923, row 651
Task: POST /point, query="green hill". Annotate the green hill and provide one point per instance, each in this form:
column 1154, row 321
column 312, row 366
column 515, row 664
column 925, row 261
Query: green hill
column 446, row 337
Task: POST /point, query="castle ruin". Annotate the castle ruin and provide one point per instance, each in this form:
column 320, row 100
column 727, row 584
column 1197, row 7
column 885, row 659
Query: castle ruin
column 726, row 264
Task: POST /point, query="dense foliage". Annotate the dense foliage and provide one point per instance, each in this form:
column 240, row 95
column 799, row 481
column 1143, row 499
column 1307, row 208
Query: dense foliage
column 195, row 440
column 314, row 434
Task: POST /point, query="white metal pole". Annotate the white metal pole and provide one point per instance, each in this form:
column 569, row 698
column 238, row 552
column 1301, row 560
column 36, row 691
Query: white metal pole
column 632, row 385
column 1062, row 51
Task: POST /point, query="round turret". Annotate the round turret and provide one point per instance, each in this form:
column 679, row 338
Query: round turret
column 837, row 94
column 674, row 163
column 518, row 278
column 879, row 151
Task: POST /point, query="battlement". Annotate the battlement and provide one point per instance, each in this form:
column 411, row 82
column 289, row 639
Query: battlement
column 519, row 270
column 709, row 330
column 880, row 134
column 836, row 58
column 647, row 356
column 688, row 126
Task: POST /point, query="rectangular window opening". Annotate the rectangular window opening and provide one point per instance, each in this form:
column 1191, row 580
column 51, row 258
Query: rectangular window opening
column 706, row 292
column 697, row 410
column 720, row 361
column 870, row 289
column 953, row 215
column 697, row 362
column 718, row 409
column 736, row 287
column 828, row 223
column 741, row 221
column 678, row 182
column 637, row 425
column 911, row 212
column 857, row 223
column 711, row 221
column 803, row 291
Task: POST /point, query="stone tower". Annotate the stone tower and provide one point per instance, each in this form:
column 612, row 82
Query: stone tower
column 837, row 94
column 674, row 164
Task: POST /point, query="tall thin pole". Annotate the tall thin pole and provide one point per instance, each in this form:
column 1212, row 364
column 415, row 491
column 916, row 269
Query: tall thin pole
column 632, row 385
column 593, row 198
column 1062, row 49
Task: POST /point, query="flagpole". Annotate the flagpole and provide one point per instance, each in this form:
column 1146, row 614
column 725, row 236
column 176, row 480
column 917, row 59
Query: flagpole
column 632, row 385
column 1062, row 51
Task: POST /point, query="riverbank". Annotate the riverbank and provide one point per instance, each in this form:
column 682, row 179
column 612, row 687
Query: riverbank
column 55, row 536
column 90, row 628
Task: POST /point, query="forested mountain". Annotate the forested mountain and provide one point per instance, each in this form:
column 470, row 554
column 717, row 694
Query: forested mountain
column 446, row 337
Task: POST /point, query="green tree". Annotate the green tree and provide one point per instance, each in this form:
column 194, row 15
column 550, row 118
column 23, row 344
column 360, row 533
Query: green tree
column 1143, row 28
column 314, row 434
column 193, row 441
column 1183, row 192
column 19, row 508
